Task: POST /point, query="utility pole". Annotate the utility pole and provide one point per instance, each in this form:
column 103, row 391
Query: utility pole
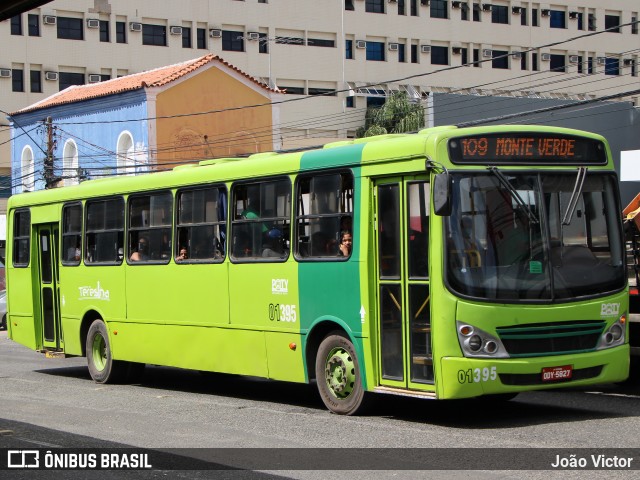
column 50, row 181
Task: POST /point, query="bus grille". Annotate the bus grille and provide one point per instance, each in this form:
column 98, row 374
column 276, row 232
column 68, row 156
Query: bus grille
column 540, row 339
column 536, row 378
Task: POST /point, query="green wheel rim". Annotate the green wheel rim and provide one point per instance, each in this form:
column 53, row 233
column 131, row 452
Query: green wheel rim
column 340, row 372
column 99, row 352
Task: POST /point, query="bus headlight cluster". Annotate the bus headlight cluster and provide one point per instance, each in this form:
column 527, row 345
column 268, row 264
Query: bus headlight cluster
column 614, row 335
column 478, row 343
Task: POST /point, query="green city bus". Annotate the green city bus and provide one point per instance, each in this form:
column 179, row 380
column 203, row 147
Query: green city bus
column 483, row 261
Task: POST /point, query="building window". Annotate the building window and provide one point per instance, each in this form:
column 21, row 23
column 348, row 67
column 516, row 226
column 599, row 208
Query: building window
column 186, row 37
column 348, row 49
column 464, row 53
column 523, row 61
column 402, row 8
column 104, row 231
column 70, row 28
column 534, row 17
column 500, row 59
column 499, row 14
column 66, row 79
column 557, row 19
column 374, row 6
column 414, row 53
column 612, row 66
column 612, row 22
column 590, row 65
column 464, row 12
column 126, row 155
column 232, row 41
column 104, row 31
column 348, row 5
column 438, row 9
column 35, row 77
column 16, row 25
column 319, row 42
column 201, row 38
column 414, row 8
column 557, row 63
column 476, row 57
column 327, row 92
column 402, row 56
column 70, row 163
column 350, row 102
column 634, row 25
column 27, row 178
column 477, row 13
column 34, row 25
column 375, row 51
column 439, row 55
column 290, row 40
column 534, row 62
column 154, row 35
column 263, row 43
column 591, row 20
column 17, row 80
column 523, row 17
column 580, row 67
column 121, row 32
column 292, row 90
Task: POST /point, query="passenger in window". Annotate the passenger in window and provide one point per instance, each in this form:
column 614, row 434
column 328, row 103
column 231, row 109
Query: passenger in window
column 142, row 253
column 182, row 255
column 74, row 253
column 346, row 244
column 274, row 246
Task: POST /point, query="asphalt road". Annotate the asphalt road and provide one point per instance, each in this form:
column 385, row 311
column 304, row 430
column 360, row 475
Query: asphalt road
column 52, row 403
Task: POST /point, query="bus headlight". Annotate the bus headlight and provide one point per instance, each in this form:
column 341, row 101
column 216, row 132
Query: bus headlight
column 614, row 335
column 475, row 342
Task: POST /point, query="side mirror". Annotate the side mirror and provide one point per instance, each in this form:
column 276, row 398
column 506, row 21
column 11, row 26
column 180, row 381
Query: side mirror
column 442, row 194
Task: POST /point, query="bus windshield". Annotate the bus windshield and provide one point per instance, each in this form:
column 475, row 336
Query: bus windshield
column 533, row 236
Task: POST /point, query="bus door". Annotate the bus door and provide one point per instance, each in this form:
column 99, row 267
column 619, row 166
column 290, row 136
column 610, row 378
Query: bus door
column 48, row 282
column 402, row 240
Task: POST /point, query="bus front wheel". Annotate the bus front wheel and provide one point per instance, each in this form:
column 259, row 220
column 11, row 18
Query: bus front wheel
column 338, row 375
column 102, row 367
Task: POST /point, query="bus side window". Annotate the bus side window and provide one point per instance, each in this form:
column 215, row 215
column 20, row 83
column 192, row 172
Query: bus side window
column 104, row 230
column 150, row 220
column 72, row 234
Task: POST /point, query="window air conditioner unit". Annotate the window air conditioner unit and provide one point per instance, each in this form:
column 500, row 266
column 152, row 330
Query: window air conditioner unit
column 51, row 76
column 135, row 27
column 456, row 50
column 516, row 10
column 545, row 57
column 49, row 19
column 93, row 23
column 573, row 15
column 175, row 30
column 393, row 47
column 455, row 4
column 516, row 54
column 94, row 78
column 425, row 48
column 627, row 62
column 5, row 72
column 215, row 33
column 486, row 7
column 253, row 36
column 424, row 2
column 574, row 58
column 361, row 44
column 545, row 12
column 487, row 53
column 602, row 60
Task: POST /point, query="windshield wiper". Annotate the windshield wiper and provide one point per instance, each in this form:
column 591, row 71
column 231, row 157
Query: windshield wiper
column 514, row 194
column 575, row 195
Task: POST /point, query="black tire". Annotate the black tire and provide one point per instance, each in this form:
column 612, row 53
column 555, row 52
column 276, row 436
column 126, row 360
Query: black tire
column 338, row 375
column 102, row 367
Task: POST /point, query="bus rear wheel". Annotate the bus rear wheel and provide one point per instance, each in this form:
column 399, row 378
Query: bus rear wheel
column 338, row 375
column 102, row 367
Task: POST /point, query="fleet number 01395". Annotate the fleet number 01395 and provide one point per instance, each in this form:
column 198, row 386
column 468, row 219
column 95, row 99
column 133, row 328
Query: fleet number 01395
column 477, row 375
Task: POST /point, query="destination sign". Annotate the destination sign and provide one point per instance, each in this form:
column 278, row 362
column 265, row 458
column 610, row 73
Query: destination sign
column 527, row 148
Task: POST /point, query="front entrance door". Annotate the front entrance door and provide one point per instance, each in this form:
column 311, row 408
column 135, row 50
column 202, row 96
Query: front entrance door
column 49, row 291
column 402, row 234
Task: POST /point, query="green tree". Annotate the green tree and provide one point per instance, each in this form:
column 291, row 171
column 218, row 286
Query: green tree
column 396, row 115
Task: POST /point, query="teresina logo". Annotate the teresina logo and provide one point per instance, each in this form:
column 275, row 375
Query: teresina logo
column 93, row 293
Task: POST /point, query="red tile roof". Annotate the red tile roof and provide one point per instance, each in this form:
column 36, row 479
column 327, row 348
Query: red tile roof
column 151, row 78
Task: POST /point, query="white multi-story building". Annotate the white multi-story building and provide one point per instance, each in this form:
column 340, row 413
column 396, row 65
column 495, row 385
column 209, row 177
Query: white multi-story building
column 363, row 49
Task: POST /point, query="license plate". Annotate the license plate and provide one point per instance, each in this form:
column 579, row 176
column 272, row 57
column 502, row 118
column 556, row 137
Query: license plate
column 555, row 374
